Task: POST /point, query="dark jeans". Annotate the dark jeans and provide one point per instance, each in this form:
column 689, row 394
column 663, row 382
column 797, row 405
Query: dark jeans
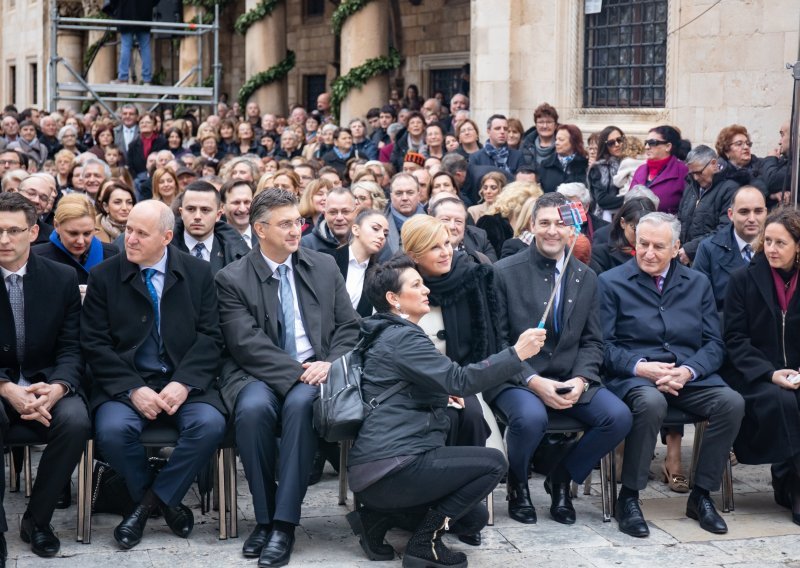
column 452, row 480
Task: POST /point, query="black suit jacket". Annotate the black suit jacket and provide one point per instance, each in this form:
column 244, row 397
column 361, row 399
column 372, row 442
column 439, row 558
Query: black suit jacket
column 523, row 287
column 476, row 240
column 118, row 316
column 481, row 164
column 249, row 318
column 228, row 245
column 137, row 161
column 342, row 257
column 52, row 324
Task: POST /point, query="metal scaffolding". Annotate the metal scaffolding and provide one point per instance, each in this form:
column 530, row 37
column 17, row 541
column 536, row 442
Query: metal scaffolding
column 104, row 93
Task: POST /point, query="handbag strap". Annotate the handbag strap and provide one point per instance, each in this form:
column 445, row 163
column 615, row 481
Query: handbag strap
column 387, row 394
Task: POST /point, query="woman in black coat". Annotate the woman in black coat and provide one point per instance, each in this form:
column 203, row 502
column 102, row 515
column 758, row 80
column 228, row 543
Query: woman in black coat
column 147, row 142
column 621, row 244
column 568, row 163
column 762, row 324
column 399, row 460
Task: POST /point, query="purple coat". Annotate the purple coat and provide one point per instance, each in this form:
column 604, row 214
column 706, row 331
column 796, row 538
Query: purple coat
column 668, row 184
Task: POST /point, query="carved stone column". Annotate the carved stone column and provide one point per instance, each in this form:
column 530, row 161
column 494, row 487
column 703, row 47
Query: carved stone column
column 365, row 35
column 189, row 54
column 265, row 45
column 104, row 66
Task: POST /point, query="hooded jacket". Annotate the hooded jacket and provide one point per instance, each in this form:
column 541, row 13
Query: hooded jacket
column 320, row 237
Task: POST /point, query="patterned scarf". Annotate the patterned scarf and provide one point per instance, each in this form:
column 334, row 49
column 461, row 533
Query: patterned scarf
column 499, row 156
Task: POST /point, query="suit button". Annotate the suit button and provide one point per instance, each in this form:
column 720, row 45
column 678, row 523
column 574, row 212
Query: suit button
column 662, row 308
column 666, row 346
column 144, row 319
column 6, row 348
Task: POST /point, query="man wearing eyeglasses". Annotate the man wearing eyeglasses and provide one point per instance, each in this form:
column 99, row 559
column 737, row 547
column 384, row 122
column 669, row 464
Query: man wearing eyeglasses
column 10, row 160
column 285, row 314
column 40, row 367
column 703, row 209
column 333, row 230
column 40, row 190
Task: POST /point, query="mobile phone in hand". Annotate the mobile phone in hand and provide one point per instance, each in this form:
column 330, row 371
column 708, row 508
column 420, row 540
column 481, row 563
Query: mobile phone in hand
column 564, row 390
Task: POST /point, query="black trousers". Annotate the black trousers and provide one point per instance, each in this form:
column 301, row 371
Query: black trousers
column 451, row 480
column 69, row 429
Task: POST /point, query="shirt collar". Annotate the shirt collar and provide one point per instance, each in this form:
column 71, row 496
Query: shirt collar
column 354, row 261
column 160, row 266
column 273, row 266
column 191, row 242
column 21, row 272
column 740, row 243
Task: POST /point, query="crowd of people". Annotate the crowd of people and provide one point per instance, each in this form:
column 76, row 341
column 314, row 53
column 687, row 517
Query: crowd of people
column 206, row 274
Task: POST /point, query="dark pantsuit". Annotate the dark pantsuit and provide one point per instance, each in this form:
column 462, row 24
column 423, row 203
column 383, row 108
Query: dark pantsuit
column 69, row 429
column 467, row 426
column 259, row 412
column 451, row 480
column 606, row 418
column 118, row 429
column 723, row 406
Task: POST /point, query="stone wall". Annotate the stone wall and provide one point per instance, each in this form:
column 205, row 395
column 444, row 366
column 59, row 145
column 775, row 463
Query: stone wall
column 23, row 42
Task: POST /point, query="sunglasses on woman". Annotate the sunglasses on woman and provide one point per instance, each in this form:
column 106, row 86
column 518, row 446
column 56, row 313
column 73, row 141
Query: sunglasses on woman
column 654, row 142
column 615, row 142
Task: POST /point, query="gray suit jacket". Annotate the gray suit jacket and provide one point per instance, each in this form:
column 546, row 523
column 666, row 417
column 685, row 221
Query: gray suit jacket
column 249, row 317
column 119, row 138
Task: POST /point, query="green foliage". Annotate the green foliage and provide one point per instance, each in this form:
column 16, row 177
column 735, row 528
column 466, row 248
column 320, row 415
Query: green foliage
column 357, row 77
column 261, row 11
column 346, row 9
column 274, row 73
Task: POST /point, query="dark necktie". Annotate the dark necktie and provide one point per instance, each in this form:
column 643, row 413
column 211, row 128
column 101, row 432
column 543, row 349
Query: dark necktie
column 659, row 282
column 151, row 289
column 198, row 250
column 556, row 300
column 287, row 307
column 18, row 309
column 747, row 253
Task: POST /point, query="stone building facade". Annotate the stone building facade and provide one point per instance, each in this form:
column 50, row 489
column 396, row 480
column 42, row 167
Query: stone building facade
column 721, row 62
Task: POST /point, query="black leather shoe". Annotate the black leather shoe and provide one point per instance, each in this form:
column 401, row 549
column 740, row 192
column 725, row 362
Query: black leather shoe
column 470, row 539
column 630, row 518
column 256, row 541
column 316, row 469
column 277, row 551
column 520, row 507
column 179, row 519
column 3, row 550
column 129, row 532
column 561, row 508
column 702, row 510
column 43, row 541
column 65, row 498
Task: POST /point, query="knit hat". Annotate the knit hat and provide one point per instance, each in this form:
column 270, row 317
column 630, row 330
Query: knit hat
column 415, row 158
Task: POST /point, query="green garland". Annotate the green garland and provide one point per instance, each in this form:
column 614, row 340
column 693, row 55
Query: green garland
column 357, row 77
column 207, row 4
column 274, row 73
column 346, row 9
column 261, row 11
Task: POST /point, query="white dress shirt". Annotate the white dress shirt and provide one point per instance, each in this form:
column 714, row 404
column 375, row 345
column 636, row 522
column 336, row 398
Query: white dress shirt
column 355, row 278
column 248, row 236
column 302, row 344
column 191, row 242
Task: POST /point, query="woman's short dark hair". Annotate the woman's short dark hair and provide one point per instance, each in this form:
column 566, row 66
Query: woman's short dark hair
column 176, row 131
column 107, row 189
column 631, row 211
column 603, row 152
column 384, row 278
column 789, row 218
column 680, row 148
column 364, row 213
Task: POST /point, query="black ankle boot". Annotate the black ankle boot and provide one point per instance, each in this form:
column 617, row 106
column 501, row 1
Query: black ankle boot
column 370, row 527
column 520, row 507
column 557, row 486
column 426, row 549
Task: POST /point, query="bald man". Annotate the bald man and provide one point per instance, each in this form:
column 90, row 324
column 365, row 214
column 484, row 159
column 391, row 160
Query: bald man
column 150, row 335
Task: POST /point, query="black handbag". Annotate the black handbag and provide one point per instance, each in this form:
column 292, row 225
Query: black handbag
column 109, row 490
column 340, row 409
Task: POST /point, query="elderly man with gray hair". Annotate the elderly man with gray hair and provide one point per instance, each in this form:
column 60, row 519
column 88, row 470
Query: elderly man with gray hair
column 663, row 349
column 703, row 209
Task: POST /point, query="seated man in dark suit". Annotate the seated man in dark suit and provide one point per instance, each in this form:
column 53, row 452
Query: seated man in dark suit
column 731, row 248
column 564, row 376
column 494, row 156
column 150, row 335
column 453, row 213
column 199, row 230
column 40, row 367
column 663, row 348
column 285, row 314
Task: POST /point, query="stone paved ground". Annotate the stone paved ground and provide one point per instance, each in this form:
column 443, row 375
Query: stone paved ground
column 761, row 534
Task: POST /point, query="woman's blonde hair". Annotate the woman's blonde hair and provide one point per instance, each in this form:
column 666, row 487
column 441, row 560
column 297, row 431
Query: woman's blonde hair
column 313, row 187
column 161, row 173
column 74, row 206
column 264, row 183
column 379, row 200
column 420, row 234
column 523, row 221
column 511, row 199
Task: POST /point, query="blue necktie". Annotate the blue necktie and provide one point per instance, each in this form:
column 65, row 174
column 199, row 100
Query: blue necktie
column 198, row 250
column 148, row 281
column 556, row 300
column 747, row 253
column 17, row 302
column 287, row 307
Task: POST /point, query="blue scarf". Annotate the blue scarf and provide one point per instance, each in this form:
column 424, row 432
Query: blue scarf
column 94, row 257
column 399, row 218
column 499, row 156
column 565, row 161
column 342, row 156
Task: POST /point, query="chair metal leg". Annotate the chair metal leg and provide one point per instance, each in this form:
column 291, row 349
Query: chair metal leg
column 26, row 460
column 344, row 448
column 699, row 431
column 221, row 495
column 88, row 470
column 13, row 486
column 81, row 490
column 727, row 488
column 231, row 505
column 605, row 490
column 490, row 508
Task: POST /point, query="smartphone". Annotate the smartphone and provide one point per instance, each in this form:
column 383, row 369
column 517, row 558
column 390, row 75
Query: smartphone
column 564, row 390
